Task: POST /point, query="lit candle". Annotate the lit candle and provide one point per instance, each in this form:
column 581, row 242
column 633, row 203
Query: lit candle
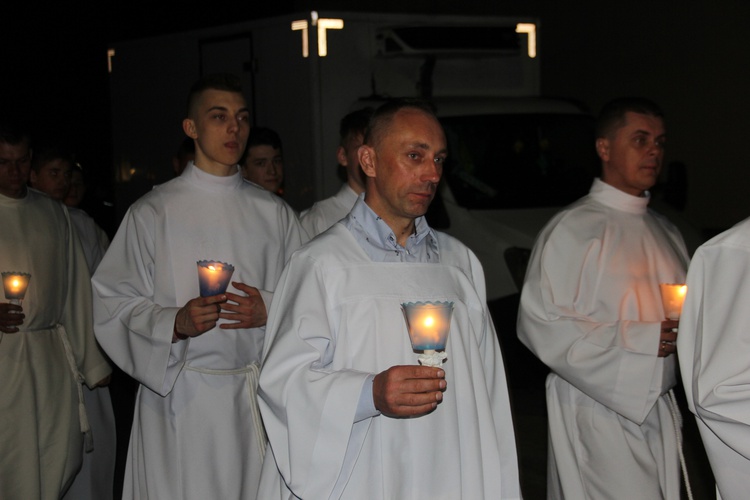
column 428, row 324
column 672, row 297
column 15, row 285
column 213, row 277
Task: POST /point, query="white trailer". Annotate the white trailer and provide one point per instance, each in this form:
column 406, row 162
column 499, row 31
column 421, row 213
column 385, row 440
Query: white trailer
column 514, row 154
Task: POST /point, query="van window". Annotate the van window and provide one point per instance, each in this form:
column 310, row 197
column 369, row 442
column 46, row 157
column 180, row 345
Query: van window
column 520, row 161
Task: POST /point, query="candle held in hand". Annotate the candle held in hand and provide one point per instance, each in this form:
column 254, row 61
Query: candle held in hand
column 15, row 285
column 673, row 296
column 213, row 277
column 428, row 324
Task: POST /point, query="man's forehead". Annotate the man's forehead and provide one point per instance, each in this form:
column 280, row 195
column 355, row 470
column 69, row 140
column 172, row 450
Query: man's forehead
column 263, row 150
column 58, row 163
column 214, row 98
column 644, row 122
column 415, row 126
column 14, row 150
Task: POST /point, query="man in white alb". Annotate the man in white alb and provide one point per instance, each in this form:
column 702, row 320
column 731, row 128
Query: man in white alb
column 47, row 345
column 348, row 410
column 196, row 430
column 326, row 213
column 591, row 310
column 713, row 354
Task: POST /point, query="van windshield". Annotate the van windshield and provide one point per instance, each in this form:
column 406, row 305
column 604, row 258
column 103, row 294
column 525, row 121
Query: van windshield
column 519, row 161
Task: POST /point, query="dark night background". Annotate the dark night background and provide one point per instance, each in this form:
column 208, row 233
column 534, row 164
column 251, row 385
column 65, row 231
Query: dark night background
column 689, row 56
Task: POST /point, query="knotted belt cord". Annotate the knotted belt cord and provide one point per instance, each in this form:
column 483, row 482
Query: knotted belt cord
column 83, row 419
column 252, row 373
column 677, row 421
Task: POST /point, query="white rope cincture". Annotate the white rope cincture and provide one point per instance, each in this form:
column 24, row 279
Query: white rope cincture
column 677, row 421
column 252, row 374
column 260, row 432
column 83, row 419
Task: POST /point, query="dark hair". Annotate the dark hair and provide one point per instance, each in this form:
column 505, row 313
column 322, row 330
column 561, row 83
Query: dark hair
column 612, row 115
column 218, row 81
column 355, row 123
column 47, row 154
column 14, row 134
column 261, row 136
column 383, row 116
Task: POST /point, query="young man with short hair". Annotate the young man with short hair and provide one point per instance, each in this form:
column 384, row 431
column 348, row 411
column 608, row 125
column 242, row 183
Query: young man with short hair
column 51, row 171
column 263, row 163
column 196, row 431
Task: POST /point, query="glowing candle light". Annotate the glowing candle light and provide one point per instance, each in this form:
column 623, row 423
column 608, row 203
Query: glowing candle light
column 214, row 277
column 672, row 297
column 428, row 324
column 15, row 285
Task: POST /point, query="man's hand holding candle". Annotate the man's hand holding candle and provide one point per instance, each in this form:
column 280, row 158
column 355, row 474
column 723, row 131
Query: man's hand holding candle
column 408, row 391
column 198, row 316
column 668, row 337
column 11, row 317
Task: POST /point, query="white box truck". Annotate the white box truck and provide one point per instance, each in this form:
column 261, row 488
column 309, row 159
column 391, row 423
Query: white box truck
column 514, row 157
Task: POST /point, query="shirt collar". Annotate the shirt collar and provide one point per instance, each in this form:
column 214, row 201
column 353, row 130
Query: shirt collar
column 380, row 234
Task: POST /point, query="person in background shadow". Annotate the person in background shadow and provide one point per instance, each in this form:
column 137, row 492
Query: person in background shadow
column 326, row 213
column 263, row 163
column 52, row 173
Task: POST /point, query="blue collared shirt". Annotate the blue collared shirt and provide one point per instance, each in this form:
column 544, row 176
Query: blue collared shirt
column 379, row 242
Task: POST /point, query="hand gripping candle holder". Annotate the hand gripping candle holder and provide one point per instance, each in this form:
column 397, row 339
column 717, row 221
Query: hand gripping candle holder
column 214, row 277
column 672, row 297
column 15, row 285
column 428, row 324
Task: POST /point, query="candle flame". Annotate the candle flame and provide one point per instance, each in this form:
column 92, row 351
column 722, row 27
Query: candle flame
column 427, row 323
column 15, row 284
column 673, row 296
column 212, row 268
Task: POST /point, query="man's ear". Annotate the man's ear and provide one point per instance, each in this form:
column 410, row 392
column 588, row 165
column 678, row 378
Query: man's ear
column 602, row 148
column 33, row 178
column 341, row 156
column 188, row 126
column 367, row 160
